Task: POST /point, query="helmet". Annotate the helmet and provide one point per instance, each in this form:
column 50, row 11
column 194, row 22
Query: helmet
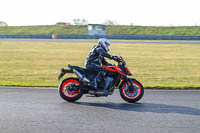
column 104, row 43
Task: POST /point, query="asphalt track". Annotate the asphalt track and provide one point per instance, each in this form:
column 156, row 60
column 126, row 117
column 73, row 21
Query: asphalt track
column 94, row 41
column 41, row 110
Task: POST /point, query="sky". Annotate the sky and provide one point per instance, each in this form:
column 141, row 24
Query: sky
column 124, row 12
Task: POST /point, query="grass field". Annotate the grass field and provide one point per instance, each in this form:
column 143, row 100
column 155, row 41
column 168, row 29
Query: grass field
column 110, row 30
column 155, row 65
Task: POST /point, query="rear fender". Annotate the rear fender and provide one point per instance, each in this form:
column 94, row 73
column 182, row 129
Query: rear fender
column 63, row 72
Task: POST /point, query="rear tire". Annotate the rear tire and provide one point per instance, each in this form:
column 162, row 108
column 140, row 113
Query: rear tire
column 131, row 97
column 66, row 90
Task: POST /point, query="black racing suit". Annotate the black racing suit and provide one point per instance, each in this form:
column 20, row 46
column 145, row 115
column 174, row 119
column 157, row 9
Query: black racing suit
column 94, row 61
column 96, row 58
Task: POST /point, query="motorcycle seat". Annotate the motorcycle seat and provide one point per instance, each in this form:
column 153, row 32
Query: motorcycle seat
column 80, row 69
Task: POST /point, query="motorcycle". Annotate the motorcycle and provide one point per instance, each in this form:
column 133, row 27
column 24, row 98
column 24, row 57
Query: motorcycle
column 72, row 89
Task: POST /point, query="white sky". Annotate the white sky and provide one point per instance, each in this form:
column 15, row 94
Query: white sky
column 138, row 12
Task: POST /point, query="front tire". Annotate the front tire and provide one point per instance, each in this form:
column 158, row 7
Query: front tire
column 134, row 96
column 67, row 89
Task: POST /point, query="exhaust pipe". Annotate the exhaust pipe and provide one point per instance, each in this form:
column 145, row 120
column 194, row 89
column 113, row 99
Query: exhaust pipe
column 91, row 92
column 81, row 77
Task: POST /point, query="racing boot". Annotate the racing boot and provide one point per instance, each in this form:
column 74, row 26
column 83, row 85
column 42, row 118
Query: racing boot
column 94, row 83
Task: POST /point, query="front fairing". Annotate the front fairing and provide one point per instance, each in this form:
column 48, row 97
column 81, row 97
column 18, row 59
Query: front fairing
column 124, row 69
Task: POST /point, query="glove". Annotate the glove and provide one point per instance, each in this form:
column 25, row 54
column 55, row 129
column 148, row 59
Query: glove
column 116, row 58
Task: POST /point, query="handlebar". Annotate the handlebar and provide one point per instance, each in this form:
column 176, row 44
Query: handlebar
column 118, row 59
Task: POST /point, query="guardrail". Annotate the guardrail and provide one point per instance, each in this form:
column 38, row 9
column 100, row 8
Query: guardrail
column 27, row 36
column 124, row 37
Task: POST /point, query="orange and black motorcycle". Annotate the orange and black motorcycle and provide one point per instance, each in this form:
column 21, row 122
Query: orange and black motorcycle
column 72, row 89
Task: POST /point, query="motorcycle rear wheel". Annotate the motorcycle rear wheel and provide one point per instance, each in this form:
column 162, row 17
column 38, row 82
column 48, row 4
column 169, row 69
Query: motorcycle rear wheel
column 67, row 90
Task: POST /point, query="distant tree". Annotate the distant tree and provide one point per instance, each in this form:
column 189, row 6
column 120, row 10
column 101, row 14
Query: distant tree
column 2, row 23
column 62, row 24
column 84, row 22
column 110, row 22
column 78, row 21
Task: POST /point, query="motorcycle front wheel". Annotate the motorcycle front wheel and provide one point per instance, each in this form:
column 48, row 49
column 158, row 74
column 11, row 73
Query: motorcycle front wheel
column 131, row 96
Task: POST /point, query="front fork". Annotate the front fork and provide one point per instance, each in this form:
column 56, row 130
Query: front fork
column 131, row 87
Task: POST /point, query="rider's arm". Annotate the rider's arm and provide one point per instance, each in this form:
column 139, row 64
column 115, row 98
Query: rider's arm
column 101, row 52
column 104, row 62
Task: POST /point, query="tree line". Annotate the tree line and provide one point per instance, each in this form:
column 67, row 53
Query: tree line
column 83, row 21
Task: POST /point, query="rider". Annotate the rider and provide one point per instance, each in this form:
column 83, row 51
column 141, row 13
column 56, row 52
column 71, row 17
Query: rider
column 96, row 58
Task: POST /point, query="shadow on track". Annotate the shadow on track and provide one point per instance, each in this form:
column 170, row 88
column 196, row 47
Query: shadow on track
column 145, row 107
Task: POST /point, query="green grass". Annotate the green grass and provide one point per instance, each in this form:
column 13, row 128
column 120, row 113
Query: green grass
column 155, row 65
column 111, row 30
column 153, row 30
column 48, row 29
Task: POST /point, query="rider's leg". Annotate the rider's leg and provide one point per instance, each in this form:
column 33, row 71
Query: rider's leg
column 94, row 83
column 100, row 71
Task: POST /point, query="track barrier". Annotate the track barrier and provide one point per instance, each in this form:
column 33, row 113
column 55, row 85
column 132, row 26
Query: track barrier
column 123, row 37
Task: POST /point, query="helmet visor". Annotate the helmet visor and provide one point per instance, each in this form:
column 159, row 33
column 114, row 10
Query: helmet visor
column 107, row 46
